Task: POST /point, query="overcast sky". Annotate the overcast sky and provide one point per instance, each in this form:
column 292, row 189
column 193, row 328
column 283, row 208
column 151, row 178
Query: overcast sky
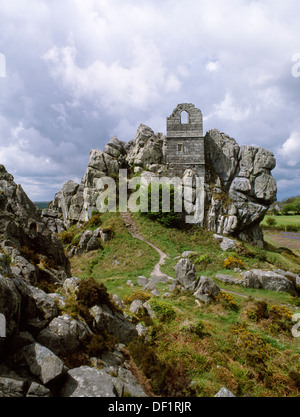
column 79, row 72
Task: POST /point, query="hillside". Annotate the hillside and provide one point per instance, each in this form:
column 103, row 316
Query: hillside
column 241, row 339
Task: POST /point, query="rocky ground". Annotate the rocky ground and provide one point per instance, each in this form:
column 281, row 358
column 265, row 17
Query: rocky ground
column 39, row 334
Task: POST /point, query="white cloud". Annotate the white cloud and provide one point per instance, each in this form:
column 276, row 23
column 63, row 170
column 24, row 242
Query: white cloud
column 290, row 150
column 212, row 66
column 227, row 109
column 117, row 85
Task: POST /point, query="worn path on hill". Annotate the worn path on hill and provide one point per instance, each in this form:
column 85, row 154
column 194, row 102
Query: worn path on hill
column 133, row 230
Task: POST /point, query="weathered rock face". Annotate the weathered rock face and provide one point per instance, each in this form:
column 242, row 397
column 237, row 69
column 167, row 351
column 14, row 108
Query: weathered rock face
column 21, row 225
column 239, row 187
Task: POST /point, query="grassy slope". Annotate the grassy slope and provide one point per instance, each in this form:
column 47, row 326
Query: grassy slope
column 239, row 360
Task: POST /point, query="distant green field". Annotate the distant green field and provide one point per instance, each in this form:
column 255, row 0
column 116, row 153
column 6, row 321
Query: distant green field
column 284, row 220
column 41, row 204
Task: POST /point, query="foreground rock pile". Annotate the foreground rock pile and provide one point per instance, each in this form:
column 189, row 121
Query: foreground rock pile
column 38, row 337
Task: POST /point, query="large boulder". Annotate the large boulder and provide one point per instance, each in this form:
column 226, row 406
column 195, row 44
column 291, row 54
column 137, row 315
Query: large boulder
column 10, row 306
column 206, row 289
column 22, row 225
column 269, row 280
column 64, row 335
column 43, row 363
column 92, row 382
column 114, row 322
column 186, row 274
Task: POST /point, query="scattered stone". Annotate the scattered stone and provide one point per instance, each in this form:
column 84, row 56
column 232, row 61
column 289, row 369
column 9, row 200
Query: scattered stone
column 38, row 390
column 187, row 253
column 118, row 301
column 224, row 392
column 161, row 279
column 10, row 387
column 93, row 244
column 142, row 330
column 136, row 306
column 142, row 281
column 64, row 335
column 43, row 363
column 149, row 309
column 186, row 274
column 225, row 243
column 116, row 323
column 228, row 279
column 88, row 382
column 206, row 289
column 70, row 286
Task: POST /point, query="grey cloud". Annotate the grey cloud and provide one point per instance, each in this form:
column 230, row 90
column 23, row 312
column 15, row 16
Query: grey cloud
column 81, row 72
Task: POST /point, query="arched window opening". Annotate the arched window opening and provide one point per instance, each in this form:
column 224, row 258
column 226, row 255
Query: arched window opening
column 184, row 117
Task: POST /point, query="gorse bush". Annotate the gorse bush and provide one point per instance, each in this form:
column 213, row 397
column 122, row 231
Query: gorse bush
column 277, row 318
column 232, row 262
column 252, row 348
column 227, row 300
column 258, row 312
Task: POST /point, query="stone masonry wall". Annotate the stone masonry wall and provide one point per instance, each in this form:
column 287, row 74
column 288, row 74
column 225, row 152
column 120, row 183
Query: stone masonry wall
column 185, row 141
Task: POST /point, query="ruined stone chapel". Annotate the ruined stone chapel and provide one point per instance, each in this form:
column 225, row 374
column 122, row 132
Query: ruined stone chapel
column 185, row 140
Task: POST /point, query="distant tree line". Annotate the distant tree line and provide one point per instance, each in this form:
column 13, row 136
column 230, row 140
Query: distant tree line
column 291, row 207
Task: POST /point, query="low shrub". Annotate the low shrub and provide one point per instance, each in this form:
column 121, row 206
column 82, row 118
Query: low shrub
column 66, row 237
column 95, row 220
column 258, row 312
column 137, row 295
column 163, row 310
column 166, row 379
column 204, row 260
column 198, row 328
column 100, row 343
column 30, row 255
column 252, row 348
column 108, row 229
column 92, row 292
column 270, row 221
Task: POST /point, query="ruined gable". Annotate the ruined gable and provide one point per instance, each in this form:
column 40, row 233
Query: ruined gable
column 185, row 140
